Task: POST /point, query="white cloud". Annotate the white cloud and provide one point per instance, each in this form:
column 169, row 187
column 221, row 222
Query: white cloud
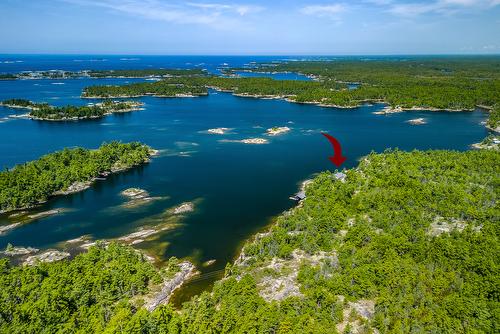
column 332, row 10
column 240, row 9
column 174, row 11
column 445, row 7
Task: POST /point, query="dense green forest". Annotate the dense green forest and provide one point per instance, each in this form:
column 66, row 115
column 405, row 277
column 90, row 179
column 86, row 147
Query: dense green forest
column 200, row 85
column 82, row 294
column 414, row 234
column 28, row 184
column 164, row 88
column 451, row 84
column 44, row 111
column 443, row 82
column 22, row 103
column 7, row 76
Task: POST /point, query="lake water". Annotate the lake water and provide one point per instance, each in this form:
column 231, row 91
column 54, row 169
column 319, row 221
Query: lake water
column 237, row 188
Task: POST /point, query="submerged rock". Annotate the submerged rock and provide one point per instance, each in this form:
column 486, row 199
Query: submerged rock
column 183, row 208
column 18, row 214
column 48, row 256
column 137, row 197
column 16, row 251
column 78, row 240
column 417, row 121
column 5, row 228
column 44, row 214
column 255, row 141
column 208, row 263
column 139, row 235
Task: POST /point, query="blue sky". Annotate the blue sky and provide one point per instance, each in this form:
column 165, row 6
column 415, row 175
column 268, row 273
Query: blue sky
column 250, row 27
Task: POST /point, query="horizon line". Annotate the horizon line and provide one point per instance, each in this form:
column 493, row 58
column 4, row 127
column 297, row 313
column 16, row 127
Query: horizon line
column 246, row 55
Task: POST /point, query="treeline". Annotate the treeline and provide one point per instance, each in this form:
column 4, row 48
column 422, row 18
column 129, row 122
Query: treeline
column 7, row 76
column 22, row 103
column 443, row 83
column 44, row 111
column 199, row 86
column 381, row 70
column 381, row 226
column 29, row 184
column 398, row 83
column 164, row 88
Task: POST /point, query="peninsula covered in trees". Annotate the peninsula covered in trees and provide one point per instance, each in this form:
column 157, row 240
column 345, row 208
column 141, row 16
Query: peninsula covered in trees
column 434, row 84
column 406, row 242
column 66, row 171
column 44, row 111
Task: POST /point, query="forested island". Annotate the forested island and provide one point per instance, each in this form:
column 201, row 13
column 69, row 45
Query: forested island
column 405, row 242
column 431, row 84
column 163, row 88
column 97, row 74
column 46, row 112
column 67, row 171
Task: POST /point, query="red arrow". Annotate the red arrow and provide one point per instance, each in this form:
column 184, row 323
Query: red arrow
column 337, row 158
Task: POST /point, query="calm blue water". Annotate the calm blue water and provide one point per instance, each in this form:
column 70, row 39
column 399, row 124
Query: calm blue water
column 18, row 63
column 277, row 76
column 237, row 188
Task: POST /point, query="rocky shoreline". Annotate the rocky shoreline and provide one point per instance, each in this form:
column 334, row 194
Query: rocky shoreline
column 186, row 271
column 83, row 96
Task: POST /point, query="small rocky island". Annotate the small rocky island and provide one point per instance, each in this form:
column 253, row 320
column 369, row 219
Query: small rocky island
column 218, row 131
column 277, row 130
column 136, row 197
column 183, row 208
column 254, row 141
column 417, row 121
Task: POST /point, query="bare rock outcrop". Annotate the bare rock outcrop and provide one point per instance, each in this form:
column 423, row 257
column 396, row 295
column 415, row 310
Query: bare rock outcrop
column 186, row 271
